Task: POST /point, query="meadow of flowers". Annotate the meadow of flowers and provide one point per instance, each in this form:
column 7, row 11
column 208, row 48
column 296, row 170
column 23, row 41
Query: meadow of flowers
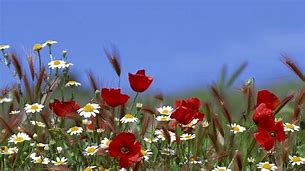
column 44, row 127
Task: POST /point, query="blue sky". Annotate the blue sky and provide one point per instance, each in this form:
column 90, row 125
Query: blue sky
column 183, row 44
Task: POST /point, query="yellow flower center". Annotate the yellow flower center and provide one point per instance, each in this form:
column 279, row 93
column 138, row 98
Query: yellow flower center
column 71, row 82
column 19, row 139
column 88, row 108
column 290, row 126
column 143, row 152
column 296, row 159
column 128, row 116
column 165, row 112
column 34, row 107
column 236, row 129
column 56, row 63
column 91, row 150
column 163, row 119
column 5, row 150
column 74, row 129
column 38, row 160
column 87, row 169
column 108, row 142
column 188, row 137
column 37, row 47
column 221, row 170
column 266, row 166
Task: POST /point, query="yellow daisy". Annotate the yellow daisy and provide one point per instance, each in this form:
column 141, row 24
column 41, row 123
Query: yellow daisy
column 19, row 138
column 33, row 108
column 90, row 109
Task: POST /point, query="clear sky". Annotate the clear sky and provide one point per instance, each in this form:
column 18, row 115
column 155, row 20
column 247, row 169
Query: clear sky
column 183, row 44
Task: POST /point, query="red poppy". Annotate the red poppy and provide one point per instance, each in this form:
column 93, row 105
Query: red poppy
column 269, row 132
column 187, row 110
column 64, row 109
column 114, row 97
column 265, row 96
column 139, row 82
column 262, row 113
column 125, row 147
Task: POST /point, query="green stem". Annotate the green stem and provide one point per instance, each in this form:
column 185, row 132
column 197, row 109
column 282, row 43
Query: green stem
column 133, row 102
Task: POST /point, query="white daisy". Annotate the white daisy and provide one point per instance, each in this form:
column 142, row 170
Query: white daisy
column 218, row 168
column 14, row 112
column 165, row 110
column 33, row 108
column 168, row 152
column 49, row 43
column 128, row 118
column 163, row 118
column 251, row 160
column 288, row 127
column 90, row 168
column 151, row 140
column 296, row 160
column 5, row 100
column 20, row 137
column 8, row 151
column 57, row 64
column 59, row 149
column 90, row 150
column 37, row 123
column 187, row 136
column 90, row 109
column 139, row 105
column 105, row 143
column 3, row 47
column 60, row 161
column 72, row 83
column 266, row 166
column 75, row 130
column 39, row 159
column 195, row 160
column 160, row 135
column 44, row 146
column 235, row 128
column 146, row 154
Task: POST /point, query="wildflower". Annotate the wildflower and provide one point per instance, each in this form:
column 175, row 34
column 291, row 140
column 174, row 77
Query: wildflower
column 91, row 150
column 151, row 140
column 100, row 130
column 163, row 118
column 205, row 124
column 262, row 113
column 3, row 47
column 59, row 161
column 266, row 166
column 146, row 154
column 267, row 98
column 33, row 108
column 105, row 143
column 49, row 43
column 20, row 137
column 64, row 108
column 251, row 160
column 192, row 123
column 45, row 146
column 14, row 112
column 126, row 148
column 90, row 109
column 160, row 135
column 8, row 151
column 37, row 123
column 75, row 130
column 218, row 168
column 139, row 82
column 187, row 110
column 186, row 137
column 5, row 100
column 165, row 110
column 37, row 47
column 168, row 152
column 114, row 97
column 269, row 132
column 72, row 83
column 59, row 149
column 58, row 64
column 195, row 160
column 235, row 128
column 90, row 168
column 129, row 118
column 296, row 160
column 288, row 127
column 39, row 159
column 139, row 105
